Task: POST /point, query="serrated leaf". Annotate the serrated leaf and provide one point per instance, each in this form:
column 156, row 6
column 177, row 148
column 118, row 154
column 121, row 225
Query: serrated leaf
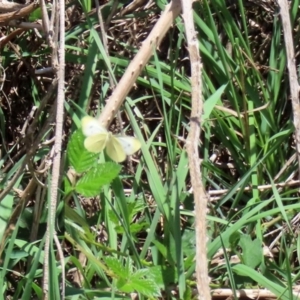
column 157, row 273
column 140, row 283
column 163, row 275
column 135, row 207
column 119, row 229
column 138, row 227
column 92, row 182
column 252, row 251
column 80, row 159
column 116, row 267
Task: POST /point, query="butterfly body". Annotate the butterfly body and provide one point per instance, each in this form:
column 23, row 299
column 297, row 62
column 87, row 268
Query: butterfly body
column 98, row 138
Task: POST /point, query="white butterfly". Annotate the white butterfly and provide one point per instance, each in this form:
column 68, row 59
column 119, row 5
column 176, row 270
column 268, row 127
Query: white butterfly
column 98, row 139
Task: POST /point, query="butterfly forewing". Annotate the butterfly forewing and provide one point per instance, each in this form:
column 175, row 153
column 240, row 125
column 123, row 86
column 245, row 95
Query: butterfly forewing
column 90, row 126
column 115, row 150
column 129, row 144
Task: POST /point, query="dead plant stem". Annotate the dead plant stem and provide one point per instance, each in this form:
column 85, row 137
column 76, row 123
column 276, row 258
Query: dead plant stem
column 136, row 66
column 200, row 196
column 57, row 147
column 292, row 71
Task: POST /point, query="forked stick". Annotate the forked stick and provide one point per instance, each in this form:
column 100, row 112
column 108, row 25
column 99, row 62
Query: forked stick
column 136, row 66
column 292, row 70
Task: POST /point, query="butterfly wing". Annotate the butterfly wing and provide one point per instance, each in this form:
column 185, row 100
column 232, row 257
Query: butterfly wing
column 97, row 138
column 129, row 144
column 115, row 150
column 96, row 143
column 90, row 126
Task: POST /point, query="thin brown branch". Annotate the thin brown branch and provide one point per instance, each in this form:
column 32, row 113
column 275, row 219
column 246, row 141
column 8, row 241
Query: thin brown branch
column 45, row 18
column 247, row 294
column 57, row 147
column 6, row 6
column 200, row 196
column 17, row 14
column 9, row 37
column 25, row 25
column 292, row 71
column 136, row 66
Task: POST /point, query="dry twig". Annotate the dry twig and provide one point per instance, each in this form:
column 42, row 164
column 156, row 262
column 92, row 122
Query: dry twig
column 245, row 294
column 292, row 71
column 6, row 6
column 57, row 149
column 200, row 196
column 136, row 66
column 19, row 13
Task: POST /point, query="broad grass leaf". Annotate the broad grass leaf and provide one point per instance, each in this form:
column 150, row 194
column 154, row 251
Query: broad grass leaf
column 210, row 103
column 280, row 291
column 6, row 209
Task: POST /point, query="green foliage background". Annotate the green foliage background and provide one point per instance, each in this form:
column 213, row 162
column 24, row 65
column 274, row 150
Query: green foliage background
column 130, row 229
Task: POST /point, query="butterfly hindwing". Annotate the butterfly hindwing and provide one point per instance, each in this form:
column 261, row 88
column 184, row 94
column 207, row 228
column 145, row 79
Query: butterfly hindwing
column 115, row 150
column 98, row 139
column 96, row 143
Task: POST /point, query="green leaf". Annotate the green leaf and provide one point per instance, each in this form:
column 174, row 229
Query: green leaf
column 80, row 159
column 252, row 251
column 163, row 275
column 234, row 239
column 210, row 103
column 141, row 283
column 116, row 267
column 138, row 227
column 113, row 218
column 134, row 228
column 72, row 215
column 91, row 183
column 188, row 294
column 157, row 273
column 188, row 242
column 68, row 188
column 161, row 248
column 35, row 15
